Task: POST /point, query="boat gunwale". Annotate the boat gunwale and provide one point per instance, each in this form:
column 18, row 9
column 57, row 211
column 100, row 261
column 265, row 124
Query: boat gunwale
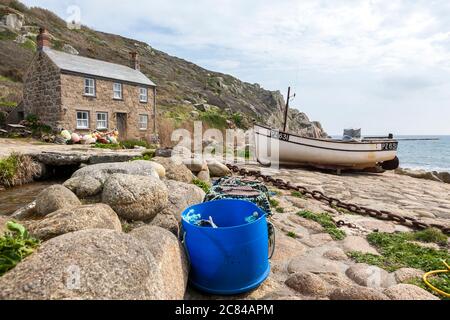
column 326, row 148
column 327, row 140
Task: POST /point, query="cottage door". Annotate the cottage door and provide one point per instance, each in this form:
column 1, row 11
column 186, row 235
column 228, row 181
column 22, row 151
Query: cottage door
column 122, row 125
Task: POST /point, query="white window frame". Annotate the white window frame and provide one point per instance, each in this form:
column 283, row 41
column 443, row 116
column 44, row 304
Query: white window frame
column 117, row 91
column 89, row 87
column 143, row 95
column 82, row 123
column 104, row 121
column 143, row 125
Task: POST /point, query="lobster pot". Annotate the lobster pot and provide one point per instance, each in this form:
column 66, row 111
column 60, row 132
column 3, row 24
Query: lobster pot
column 232, row 258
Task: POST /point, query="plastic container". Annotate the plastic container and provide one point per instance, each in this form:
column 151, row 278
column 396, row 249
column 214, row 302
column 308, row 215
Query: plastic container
column 233, row 258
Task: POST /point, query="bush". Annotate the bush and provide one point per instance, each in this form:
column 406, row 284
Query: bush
column 108, row 146
column 214, row 119
column 17, row 169
column 15, row 245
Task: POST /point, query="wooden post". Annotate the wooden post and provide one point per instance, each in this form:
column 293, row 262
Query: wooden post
column 286, row 110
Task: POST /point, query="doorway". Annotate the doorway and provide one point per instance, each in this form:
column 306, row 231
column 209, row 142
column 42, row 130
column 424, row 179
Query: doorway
column 122, row 125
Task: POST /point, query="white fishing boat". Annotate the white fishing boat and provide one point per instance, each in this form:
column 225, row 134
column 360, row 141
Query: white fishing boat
column 283, row 148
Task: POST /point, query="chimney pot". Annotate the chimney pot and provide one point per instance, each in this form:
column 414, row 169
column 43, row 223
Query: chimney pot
column 135, row 60
column 43, row 39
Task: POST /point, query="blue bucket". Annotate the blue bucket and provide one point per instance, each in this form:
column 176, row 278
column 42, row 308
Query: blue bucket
column 233, row 258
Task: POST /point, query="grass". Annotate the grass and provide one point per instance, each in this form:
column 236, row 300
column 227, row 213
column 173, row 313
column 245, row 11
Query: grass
column 341, row 210
column 398, row 252
column 274, row 203
column 17, row 169
column 5, row 79
column 202, row 184
column 29, row 45
column 292, row 235
column 108, row 146
column 325, row 220
column 214, row 119
column 297, row 194
column 7, row 35
column 279, row 210
column 15, row 245
column 130, row 144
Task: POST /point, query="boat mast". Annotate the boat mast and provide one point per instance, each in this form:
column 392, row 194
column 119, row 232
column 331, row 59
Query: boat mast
column 286, row 110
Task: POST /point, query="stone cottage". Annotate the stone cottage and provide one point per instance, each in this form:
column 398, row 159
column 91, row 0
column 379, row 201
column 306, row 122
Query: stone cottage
column 81, row 94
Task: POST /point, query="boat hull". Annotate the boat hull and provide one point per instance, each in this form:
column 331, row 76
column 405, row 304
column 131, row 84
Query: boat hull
column 275, row 147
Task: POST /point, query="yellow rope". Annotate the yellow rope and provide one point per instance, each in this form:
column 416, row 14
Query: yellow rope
column 432, row 273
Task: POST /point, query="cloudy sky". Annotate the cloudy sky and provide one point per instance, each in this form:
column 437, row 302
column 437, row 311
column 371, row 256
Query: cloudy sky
column 380, row 65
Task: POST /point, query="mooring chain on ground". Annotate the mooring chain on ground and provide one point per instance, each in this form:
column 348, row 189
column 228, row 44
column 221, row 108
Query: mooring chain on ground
column 336, row 203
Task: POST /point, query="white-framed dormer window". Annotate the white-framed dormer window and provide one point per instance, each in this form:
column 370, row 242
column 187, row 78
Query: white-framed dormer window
column 117, row 88
column 102, row 120
column 89, row 87
column 143, row 94
column 82, row 120
column 143, row 122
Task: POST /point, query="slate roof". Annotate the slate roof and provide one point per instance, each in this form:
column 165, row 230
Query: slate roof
column 93, row 67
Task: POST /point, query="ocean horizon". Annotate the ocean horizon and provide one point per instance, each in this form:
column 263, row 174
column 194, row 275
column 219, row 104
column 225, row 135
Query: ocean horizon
column 430, row 155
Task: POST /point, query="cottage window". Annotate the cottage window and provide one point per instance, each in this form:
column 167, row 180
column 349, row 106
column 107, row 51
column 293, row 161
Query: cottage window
column 89, row 87
column 143, row 95
column 143, row 122
column 117, row 91
column 82, row 120
column 102, row 120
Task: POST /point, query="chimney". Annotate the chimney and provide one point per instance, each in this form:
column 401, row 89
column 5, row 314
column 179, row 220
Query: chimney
column 135, row 60
column 43, row 39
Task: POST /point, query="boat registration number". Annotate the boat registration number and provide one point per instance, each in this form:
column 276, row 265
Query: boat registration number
column 389, row 146
column 279, row 135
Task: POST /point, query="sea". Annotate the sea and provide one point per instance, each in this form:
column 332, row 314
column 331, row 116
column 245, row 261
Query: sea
column 430, row 155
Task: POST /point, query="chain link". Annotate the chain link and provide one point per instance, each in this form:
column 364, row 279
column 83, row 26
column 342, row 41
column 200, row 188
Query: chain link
column 336, row 203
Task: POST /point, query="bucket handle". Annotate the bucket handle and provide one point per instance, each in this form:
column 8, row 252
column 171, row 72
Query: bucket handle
column 183, row 242
column 272, row 237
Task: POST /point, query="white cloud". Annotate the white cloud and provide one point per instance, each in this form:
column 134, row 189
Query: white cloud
column 352, row 54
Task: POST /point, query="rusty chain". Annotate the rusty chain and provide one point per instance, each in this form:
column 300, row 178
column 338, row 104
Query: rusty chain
column 336, row 203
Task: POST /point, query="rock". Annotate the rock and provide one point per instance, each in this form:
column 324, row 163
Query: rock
column 357, row 293
column 67, row 48
column 160, row 170
column 408, row 292
column 25, row 211
column 164, row 153
column 182, row 196
column 168, row 222
column 419, row 174
column 312, row 264
column 317, row 240
column 204, row 176
column 336, row 254
column 84, row 186
column 444, row 176
column 306, row 223
column 135, row 197
column 54, row 198
column 218, row 169
column 195, row 165
column 406, row 274
column 359, row 244
column 369, row 276
column 334, row 281
column 97, row 216
column 13, row 21
column 308, row 284
column 203, row 107
column 87, row 265
column 61, row 159
column 377, row 226
column 286, row 247
column 175, row 169
column 170, row 257
column 103, row 171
